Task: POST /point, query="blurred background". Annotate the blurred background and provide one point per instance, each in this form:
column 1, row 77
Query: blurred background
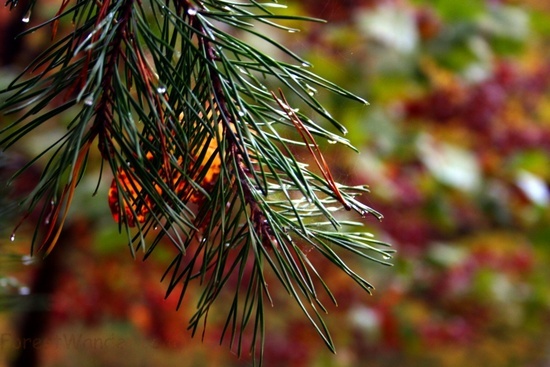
column 455, row 147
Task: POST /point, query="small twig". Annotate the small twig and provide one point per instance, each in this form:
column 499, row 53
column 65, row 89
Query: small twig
column 312, row 146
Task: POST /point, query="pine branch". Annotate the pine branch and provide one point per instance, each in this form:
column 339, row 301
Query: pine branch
column 187, row 123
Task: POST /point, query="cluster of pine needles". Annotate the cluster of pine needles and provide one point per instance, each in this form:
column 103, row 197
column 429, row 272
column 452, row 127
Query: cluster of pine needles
column 194, row 127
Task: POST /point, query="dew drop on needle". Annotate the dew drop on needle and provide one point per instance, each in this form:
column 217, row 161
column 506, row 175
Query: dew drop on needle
column 27, row 17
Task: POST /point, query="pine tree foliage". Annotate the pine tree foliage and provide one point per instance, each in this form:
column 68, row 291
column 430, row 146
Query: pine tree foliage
column 194, row 125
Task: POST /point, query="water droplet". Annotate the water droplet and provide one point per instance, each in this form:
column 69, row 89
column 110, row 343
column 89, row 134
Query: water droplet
column 310, row 90
column 292, row 30
column 306, row 64
column 191, row 12
column 242, row 113
column 386, row 257
column 27, row 260
column 89, row 101
column 24, row 291
column 12, row 237
column 227, row 244
column 161, row 90
column 27, row 17
column 156, row 228
column 331, row 141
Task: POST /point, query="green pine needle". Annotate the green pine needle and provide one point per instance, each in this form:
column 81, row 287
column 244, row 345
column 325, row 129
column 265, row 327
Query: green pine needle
column 190, row 119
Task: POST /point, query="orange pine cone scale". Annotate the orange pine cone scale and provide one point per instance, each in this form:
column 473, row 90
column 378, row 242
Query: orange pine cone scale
column 134, row 205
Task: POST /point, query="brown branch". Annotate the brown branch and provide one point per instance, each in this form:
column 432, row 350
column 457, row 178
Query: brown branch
column 104, row 114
